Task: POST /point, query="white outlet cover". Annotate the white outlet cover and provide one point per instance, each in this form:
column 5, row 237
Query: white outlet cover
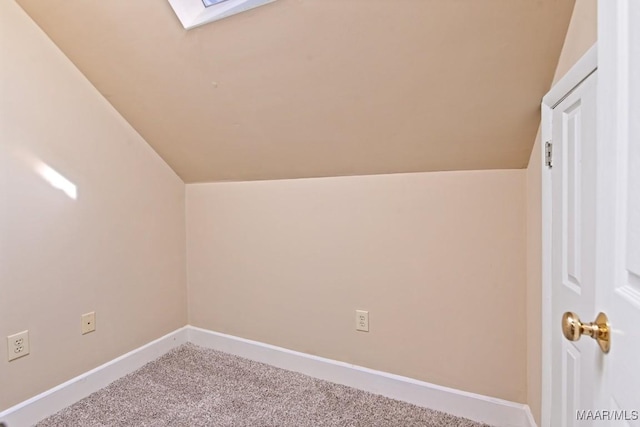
column 18, row 345
column 88, row 322
column 362, row 320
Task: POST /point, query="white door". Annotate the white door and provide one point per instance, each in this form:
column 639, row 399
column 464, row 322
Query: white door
column 595, row 232
column 618, row 275
column 573, row 177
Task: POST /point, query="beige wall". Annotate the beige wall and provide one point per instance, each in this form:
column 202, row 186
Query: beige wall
column 437, row 258
column 581, row 35
column 321, row 88
column 418, row 250
column 117, row 249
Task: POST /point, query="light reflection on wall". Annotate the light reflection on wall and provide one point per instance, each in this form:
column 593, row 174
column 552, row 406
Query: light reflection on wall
column 57, row 181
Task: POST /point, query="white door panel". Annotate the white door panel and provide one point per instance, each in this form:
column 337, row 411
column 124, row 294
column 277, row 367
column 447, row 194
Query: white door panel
column 573, row 248
column 620, row 285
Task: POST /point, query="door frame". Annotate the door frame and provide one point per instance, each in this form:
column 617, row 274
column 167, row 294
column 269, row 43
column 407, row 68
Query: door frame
column 576, row 75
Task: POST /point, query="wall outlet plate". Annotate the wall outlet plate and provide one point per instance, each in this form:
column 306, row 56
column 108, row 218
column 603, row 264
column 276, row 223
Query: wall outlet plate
column 88, row 322
column 18, row 345
column 362, row 320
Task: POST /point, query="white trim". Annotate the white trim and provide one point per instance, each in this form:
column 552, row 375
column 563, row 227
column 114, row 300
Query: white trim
column 531, row 421
column 578, row 73
column 497, row 412
column 193, row 13
column 477, row 407
column 51, row 401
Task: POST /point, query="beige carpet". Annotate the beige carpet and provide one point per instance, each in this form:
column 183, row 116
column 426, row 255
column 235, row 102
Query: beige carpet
column 193, row 386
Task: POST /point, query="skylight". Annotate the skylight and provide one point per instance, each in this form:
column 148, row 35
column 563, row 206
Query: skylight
column 208, row 3
column 193, row 13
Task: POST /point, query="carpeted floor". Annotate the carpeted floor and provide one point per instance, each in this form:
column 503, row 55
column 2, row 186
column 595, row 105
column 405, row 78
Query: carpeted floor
column 194, row 386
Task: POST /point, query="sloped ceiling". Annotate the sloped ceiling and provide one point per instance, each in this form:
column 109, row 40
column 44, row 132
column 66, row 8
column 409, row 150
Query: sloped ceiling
column 309, row 88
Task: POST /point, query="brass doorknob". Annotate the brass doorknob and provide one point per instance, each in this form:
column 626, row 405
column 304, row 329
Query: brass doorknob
column 573, row 329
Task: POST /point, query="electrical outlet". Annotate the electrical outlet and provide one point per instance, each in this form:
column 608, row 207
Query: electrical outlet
column 17, row 345
column 88, row 322
column 362, row 320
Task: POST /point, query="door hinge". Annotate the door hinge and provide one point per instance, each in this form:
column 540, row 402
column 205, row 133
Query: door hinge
column 548, row 154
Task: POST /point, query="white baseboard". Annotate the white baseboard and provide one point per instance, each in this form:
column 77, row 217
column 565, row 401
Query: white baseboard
column 39, row 407
column 531, row 421
column 496, row 412
column 477, row 407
